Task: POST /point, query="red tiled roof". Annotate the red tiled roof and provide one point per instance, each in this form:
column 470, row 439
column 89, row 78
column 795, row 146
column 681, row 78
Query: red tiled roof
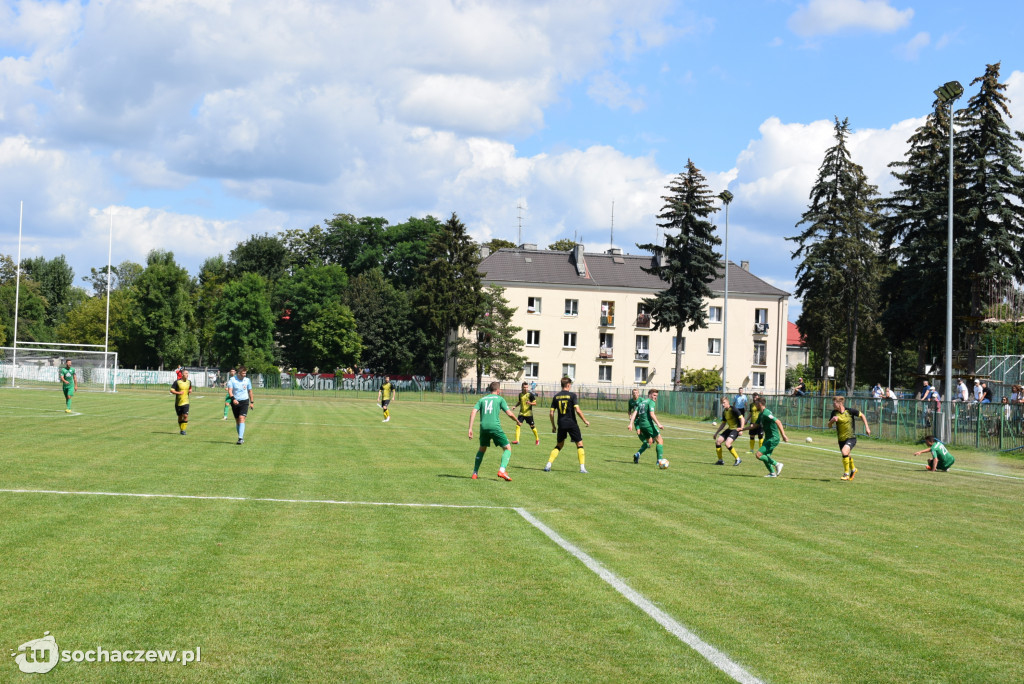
column 793, row 336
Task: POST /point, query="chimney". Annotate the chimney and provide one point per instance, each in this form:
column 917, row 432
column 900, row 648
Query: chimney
column 745, row 265
column 529, row 246
column 577, row 257
column 484, row 252
column 615, row 251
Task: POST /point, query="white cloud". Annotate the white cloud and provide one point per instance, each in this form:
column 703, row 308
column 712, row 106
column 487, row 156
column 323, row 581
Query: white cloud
column 912, row 48
column 610, row 90
column 824, row 17
column 1015, row 93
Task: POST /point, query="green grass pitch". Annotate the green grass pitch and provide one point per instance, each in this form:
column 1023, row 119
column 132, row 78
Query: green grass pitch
column 901, row 575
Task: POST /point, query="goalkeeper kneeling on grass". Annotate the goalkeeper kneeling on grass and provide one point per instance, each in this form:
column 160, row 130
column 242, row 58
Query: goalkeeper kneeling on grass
column 941, row 459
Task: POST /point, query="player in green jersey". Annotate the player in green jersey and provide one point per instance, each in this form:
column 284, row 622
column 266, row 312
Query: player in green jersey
column 526, row 401
column 647, row 425
column 843, row 418
column 728, row 431
column 941, row 459
column 69, row 383
column 228, row 397
column 490, row 409
column 773, row 432
column 634, row 399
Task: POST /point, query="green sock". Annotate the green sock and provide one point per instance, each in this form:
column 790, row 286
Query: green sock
column 661, row 451
column 643, row 447
column 505, row 456
column 479, row 460
column 69, row 402
column 225, row 410
column 768, row 461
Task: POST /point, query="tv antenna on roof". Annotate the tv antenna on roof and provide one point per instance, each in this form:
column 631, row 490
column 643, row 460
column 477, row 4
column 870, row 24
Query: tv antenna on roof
column 519, row 213
column 611, row 239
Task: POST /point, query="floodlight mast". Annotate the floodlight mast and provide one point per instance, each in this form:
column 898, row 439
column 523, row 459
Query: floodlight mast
column 948, row 93
column 726, row 198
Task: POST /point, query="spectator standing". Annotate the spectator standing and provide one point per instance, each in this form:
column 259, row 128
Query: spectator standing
column 961, row 391
column 977, row 391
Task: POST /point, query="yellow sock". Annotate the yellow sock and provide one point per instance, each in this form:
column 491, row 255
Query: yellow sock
column 718, row 450
column 846, row 464
column 851, row 464
column 553, row 455
column 536, row 435
column 182, row 426
column 387, row 414
column 579, row 452
column 732, row 450
column 752, row 444
column 517, row 432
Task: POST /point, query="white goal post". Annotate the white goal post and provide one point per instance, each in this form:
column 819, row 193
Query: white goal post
column 37, row 364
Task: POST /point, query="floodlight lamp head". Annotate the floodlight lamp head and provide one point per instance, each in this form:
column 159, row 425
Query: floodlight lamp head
column 949, row 91
column 726, row 196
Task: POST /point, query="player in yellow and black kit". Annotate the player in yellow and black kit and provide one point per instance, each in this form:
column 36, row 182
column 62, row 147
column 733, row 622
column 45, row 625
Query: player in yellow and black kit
column 182, row 388
column 527, row 400
column 756, row 431
column 843, row 419
column 728, row 431
column 564, row 404
column 385, row 395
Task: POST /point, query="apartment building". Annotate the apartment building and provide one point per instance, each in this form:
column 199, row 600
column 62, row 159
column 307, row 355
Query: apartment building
column 582, row 315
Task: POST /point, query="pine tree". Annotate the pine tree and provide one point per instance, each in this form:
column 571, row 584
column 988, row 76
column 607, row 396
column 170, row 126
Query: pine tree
column 688, row 261
column 988, row 243
column 493, row 346
column 839, row 251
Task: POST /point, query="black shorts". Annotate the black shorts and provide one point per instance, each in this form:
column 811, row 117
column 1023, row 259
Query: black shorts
column 728, row 434
column 527, row 419
column 181, row 410
column 573, row 432
column 755, row 431
column 384, row 403
column 843, row 443
column 240, row 409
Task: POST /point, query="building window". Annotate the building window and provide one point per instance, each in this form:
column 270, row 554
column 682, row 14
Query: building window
column 569, row 340
column 572, row 307
column 714, row 345
column 715, row 314
column 604, row 373
column 643, row 348
column 678, row 341
column 643, row 316
column 760, row 353
column 640, row 374
column 757, row 379
column 569, row 370
column 761, row 316
column 606, row 341
column 607, row 313
column 531, row 370
column 533, row 338
column 533, row 305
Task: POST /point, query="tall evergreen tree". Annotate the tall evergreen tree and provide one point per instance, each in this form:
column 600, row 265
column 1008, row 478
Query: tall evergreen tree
column 989, row 245
column 688, row 261
column 383, row 318
column 450, row 286
column 839, row 252
column 493, row 346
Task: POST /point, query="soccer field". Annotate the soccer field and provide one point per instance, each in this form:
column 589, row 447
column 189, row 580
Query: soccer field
column 332, row 547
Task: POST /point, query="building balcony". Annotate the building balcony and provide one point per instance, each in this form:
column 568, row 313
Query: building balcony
column 643, row 321
column 605, row 353
column 642, row 355
column 608, row 321
column 760, row 359
column 760, row 328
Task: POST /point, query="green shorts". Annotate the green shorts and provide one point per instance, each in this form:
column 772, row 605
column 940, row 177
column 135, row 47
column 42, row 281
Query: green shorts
column 69, row 391
column 768, row 447
column 647, row 433
column 497, row 436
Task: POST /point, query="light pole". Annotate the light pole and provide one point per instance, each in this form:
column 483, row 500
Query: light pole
column 726, row 198
column 948, row 93
column 889, row 386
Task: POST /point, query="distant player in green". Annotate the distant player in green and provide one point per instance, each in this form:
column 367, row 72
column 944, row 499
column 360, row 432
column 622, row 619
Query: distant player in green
column 227, row 397
column 182, row 388
column 490, row 409
column 773, row 432
column 728, row 431
column 69, row 383
column 565, row 405
column 634, row 399
column 648, row 426
column 843, row 418
column 385, row 395
column 526, row 401
column 941, row 459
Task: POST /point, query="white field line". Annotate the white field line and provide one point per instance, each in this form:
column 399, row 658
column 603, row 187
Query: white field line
column 957, row 469
column 709, row 652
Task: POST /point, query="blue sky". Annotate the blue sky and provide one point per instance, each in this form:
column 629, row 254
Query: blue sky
column 200, row 122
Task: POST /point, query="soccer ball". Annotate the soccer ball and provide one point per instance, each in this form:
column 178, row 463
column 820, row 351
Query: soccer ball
column 663, row 463
column 809, row 440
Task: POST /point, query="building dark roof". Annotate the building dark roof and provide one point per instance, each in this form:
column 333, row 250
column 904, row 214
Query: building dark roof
column 542, row 266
